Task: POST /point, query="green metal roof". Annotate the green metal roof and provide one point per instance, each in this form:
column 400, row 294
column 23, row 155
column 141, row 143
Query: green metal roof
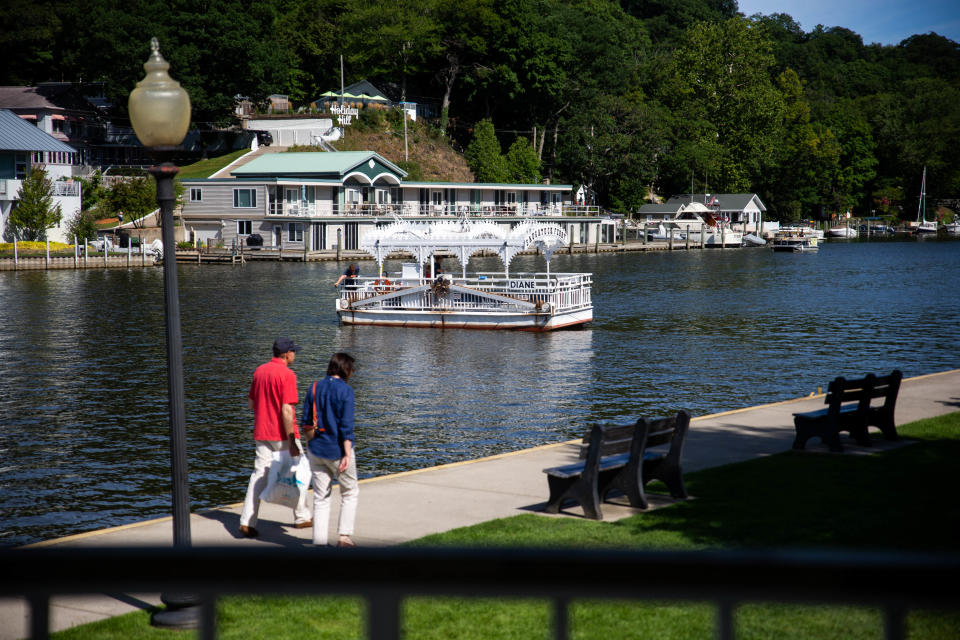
column 315, row 163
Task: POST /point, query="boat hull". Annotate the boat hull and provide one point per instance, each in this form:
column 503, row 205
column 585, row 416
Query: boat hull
column 466, row 320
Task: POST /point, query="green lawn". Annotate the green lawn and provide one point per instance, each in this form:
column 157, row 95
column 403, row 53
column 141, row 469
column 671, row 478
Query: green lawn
column 900, row 499
column 206, row 168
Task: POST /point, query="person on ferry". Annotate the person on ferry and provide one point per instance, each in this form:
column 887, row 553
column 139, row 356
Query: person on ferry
column 352, row 272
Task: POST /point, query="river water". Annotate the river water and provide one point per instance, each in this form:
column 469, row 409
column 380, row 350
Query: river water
column 83, row 414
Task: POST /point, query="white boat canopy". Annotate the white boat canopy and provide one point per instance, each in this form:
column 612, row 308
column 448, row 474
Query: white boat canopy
column 463, row 238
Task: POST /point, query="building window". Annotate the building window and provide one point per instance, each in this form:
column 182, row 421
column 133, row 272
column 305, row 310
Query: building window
column 244, row 198
column 20, row 167
column 244, row 227
column 38, row 157
column 196, row 194
column 294, row 232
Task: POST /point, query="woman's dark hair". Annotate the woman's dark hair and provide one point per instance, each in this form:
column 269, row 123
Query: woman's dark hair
column 341, row 364
column 353, row 269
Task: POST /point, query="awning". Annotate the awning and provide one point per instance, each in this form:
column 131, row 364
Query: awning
column 28, row 116
column 57, row 116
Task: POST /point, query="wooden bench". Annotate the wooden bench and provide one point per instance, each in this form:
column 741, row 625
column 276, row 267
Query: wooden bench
column 617, row 457
column 849, row 408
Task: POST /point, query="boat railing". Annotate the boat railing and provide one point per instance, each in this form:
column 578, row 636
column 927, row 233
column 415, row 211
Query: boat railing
column 494, row 292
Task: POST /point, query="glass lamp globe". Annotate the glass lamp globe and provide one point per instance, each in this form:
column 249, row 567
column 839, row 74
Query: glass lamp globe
column 159, row 107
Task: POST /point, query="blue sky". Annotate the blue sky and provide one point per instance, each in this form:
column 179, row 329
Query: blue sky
column 883, row 21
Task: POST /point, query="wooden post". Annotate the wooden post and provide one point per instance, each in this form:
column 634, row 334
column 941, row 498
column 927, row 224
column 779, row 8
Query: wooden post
column 703, row 237
column 16, row 261
column 339, row 243
column 129, row 252
column 104, row 252
column 723, row 237
column 46, row 260
column 688, row 239
column 76, row 253
column 596, row 239
column 643, row 230
column 670, row 239
column 85, row 253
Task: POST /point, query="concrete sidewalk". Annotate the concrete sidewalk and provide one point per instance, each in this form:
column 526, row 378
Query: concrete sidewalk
column 406, row 506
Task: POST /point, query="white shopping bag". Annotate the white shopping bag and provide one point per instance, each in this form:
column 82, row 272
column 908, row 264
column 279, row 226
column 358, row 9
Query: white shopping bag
column 287, row 480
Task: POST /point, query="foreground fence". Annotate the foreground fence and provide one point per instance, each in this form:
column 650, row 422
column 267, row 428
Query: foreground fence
column 894, row 583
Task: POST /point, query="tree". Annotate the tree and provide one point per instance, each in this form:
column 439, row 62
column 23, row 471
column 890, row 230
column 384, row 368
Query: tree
column 134, row 197
column 390, row 38
column 34, row 211
column 484, row 156
column 522, row 163
column 83, row 226
column 727, row 110
column 613, row 146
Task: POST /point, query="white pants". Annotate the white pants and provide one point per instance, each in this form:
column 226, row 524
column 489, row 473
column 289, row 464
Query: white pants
column 324, row 471
column 258, row 482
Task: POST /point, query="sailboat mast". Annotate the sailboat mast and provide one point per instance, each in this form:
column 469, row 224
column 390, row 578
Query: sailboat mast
column 921, row 214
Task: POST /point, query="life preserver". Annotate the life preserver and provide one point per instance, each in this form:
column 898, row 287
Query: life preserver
column 382, row 285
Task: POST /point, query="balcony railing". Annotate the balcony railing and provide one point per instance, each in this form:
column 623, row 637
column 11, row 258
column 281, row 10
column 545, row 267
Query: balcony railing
column 893, row 583
column 411, row 209
column 66, row 189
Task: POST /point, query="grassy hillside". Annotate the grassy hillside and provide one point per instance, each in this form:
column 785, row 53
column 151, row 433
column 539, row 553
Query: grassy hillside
column 431, row 156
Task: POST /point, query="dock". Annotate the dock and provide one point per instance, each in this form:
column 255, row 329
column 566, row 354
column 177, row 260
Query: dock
column 405, row 506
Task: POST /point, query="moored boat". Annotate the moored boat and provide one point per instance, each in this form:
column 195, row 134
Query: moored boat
column 421, row 296
column 806, row 230
column 795, row 242
column 842, row 232
column 701, row 227
column 924, row 226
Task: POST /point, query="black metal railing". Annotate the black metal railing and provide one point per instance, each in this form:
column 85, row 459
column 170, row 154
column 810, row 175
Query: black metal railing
column 892, row 582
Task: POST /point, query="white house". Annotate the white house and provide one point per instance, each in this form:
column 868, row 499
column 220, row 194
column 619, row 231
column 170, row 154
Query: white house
column 744, row 210
column 22, row 146
column 315, row 200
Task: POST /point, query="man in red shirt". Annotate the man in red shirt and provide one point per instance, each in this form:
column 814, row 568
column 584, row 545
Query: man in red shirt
column 272, row 398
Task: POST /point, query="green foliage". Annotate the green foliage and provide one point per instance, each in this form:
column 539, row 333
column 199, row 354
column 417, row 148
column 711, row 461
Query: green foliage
column 413, row 169
column 484, row 156
column 134, row 197
column 699, row 89
column 83, row 226
column 34, row 212
column 93, row 191
column 371, row 119
column 727, row 110
column 613, row 147
column 522, row 163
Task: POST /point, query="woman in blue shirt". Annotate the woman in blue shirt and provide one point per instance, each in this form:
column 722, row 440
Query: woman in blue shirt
column 328, row 414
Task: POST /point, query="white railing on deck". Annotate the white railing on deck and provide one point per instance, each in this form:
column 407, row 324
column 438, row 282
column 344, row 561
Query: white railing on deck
column 562, row 291
column 430, row 210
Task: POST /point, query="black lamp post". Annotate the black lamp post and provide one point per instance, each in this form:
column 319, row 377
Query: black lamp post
column 160, row 113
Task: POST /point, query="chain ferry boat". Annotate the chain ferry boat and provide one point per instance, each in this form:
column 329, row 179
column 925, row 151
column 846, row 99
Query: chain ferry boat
column 422, row 296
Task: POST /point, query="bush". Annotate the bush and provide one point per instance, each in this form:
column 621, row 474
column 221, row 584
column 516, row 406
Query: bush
column 185, row 246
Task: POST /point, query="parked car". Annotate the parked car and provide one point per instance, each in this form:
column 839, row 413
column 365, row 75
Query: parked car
column 254, row 240
column 264, row 138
